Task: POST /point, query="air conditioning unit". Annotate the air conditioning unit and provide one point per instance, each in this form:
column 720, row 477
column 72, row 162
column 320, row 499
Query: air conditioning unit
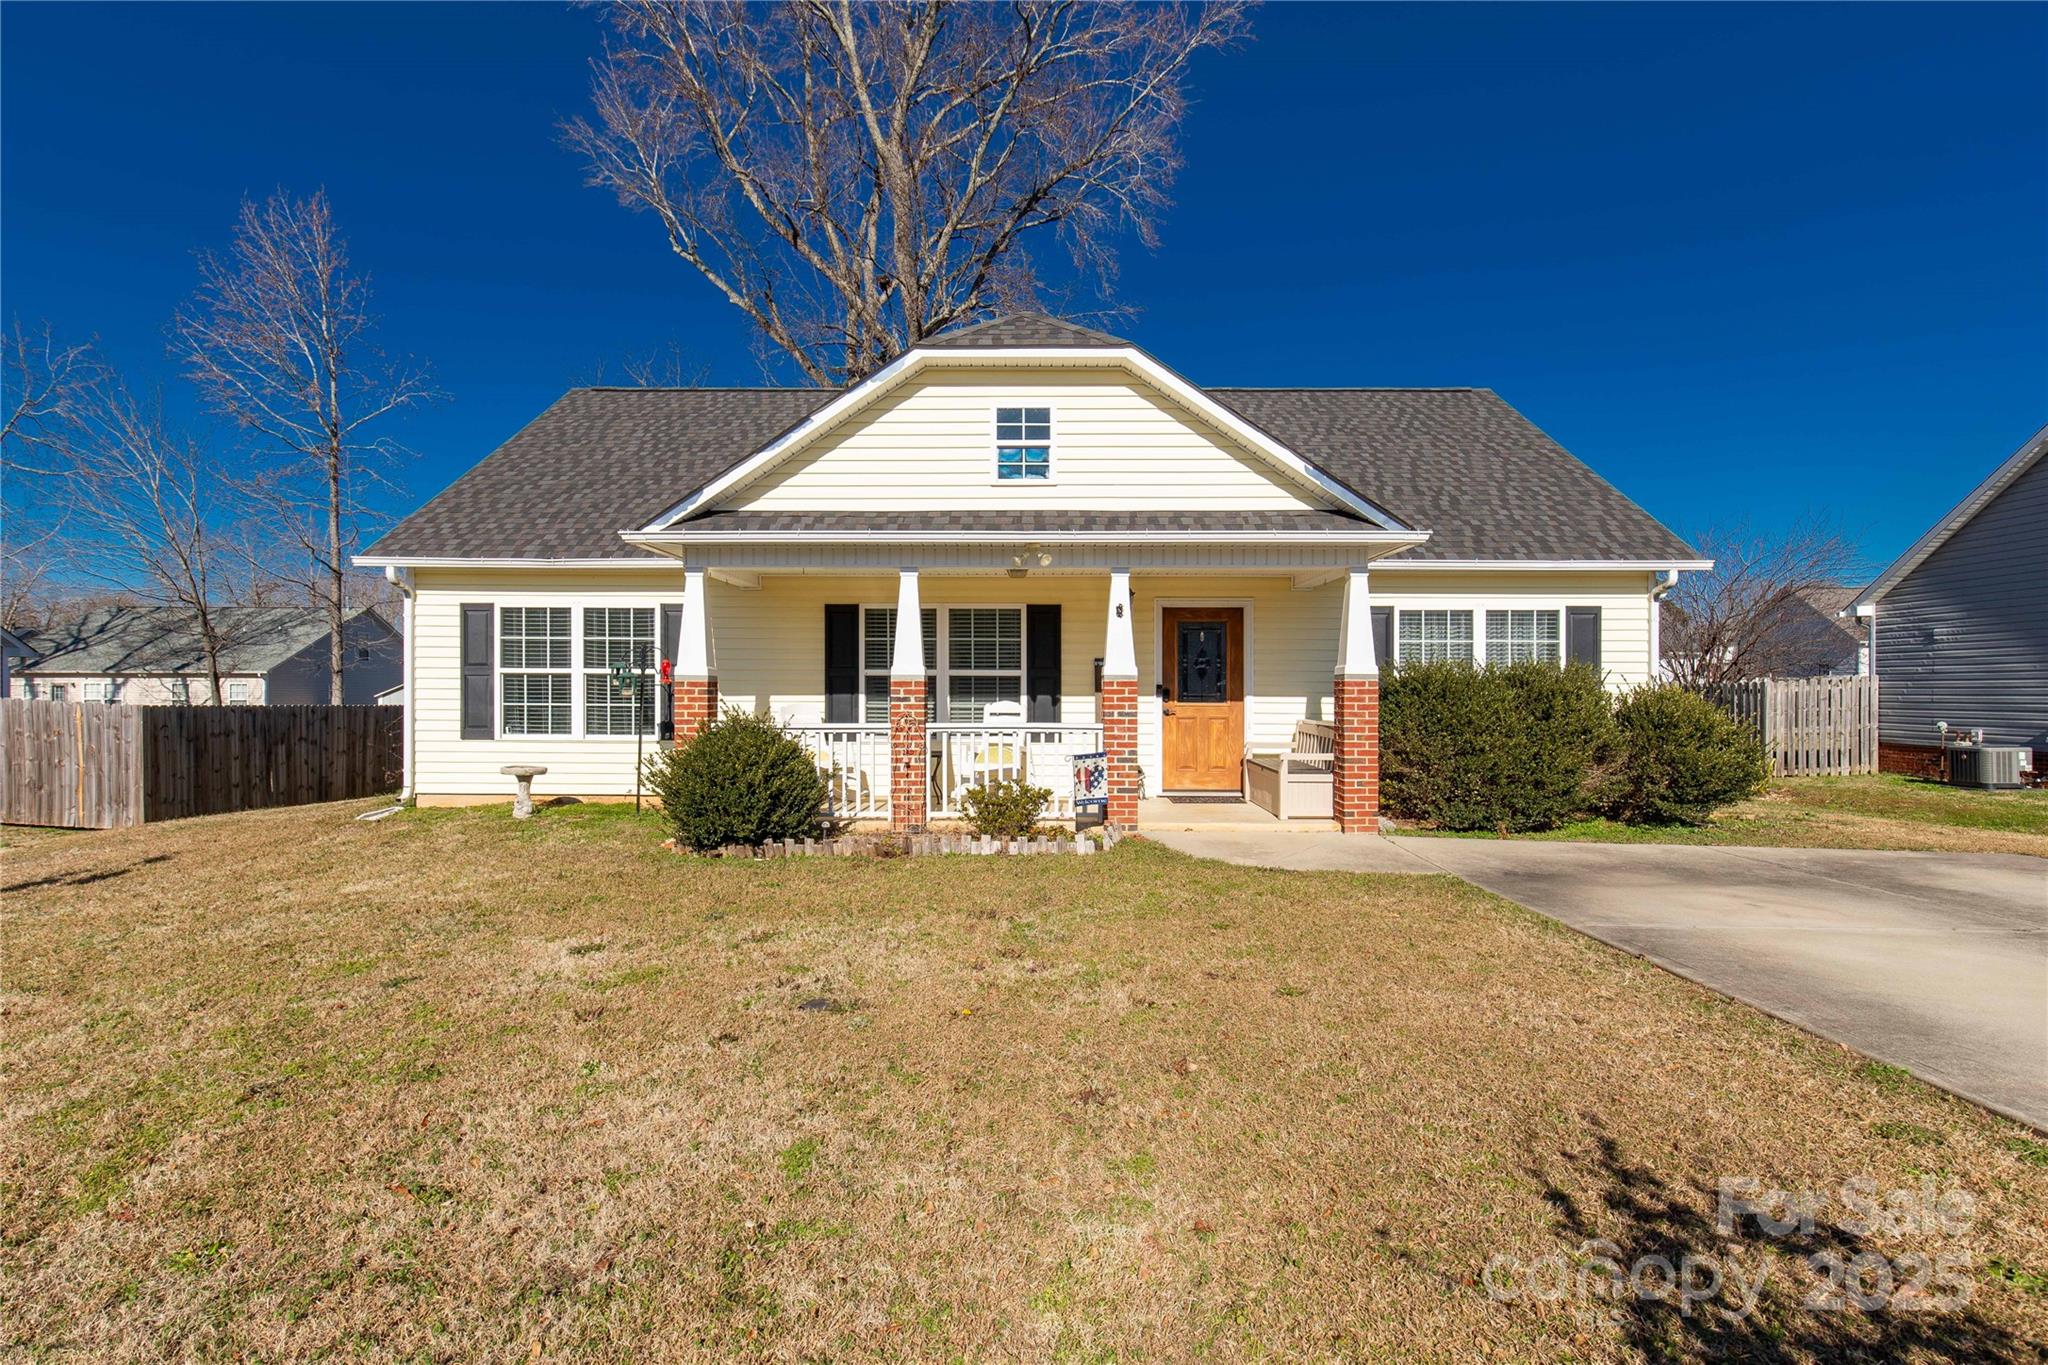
column 1980, row 765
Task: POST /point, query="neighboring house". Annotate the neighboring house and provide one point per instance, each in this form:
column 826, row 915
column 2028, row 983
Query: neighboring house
column 1960, row 622
column 1101, row 557
column 152, row 656
column 14, row 652
column 1811, row 638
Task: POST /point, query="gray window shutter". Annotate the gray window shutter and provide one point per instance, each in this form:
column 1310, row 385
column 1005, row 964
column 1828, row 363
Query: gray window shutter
column 1582, row 636
column 842, row 665
column 477, row 683
column 1383, row 637
column 1042, row 654
column 671, row 636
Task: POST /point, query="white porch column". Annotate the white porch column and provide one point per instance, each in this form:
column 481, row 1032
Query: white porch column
column 696, row 665
column 1356, row 693
column 1354, row 630
column 1118, row 705
column 909, row 708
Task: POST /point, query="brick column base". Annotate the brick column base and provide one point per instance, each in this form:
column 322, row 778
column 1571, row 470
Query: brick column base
column 1357, row 782
column 696, row 706
column 1120, row 743
column 909, row 755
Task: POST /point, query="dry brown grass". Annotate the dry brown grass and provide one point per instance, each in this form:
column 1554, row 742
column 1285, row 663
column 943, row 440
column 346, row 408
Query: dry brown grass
column 287, row 1085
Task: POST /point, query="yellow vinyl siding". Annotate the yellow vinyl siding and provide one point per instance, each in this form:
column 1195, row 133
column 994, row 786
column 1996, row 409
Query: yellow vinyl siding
column 447, row 764
column 769, row 644
column 1117, row 446
column 1623, row 599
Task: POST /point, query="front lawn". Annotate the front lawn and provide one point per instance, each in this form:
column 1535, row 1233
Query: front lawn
column 1876, row 811
column 444, row 1086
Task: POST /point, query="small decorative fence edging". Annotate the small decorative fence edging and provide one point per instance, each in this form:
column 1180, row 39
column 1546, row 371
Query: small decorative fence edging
column 921, row 846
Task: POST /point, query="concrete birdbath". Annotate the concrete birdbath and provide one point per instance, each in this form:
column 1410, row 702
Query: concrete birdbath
column 524, row 773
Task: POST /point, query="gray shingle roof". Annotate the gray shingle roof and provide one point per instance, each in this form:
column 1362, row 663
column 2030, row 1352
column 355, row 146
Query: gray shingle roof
column 131, row 640
column 1021, row 329
column 1459, row 463
column 1024, row 521
column 1463, row 465
column 595, row 463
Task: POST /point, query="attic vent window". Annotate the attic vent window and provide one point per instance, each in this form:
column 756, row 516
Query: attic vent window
column 1023, row 444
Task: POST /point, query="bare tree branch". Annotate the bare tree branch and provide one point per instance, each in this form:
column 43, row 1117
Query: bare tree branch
column 856, row 177
column 147, row 512
column 1749, row 616
column 279, row 339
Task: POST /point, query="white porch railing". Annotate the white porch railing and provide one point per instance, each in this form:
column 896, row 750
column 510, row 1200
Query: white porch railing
column 854, row 761
column 963, row 755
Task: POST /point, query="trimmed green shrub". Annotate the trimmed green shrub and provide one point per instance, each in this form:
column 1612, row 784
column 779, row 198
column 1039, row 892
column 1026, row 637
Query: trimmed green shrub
column 742, row 780
column 1678, row 758
column 1007, row 809
column 1508, row 749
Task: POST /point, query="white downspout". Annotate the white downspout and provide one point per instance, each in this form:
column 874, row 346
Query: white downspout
column 1668, row 580
column 402, row 580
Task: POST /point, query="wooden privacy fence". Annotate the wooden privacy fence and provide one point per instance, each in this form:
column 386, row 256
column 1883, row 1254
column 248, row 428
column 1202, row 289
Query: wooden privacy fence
column 93, row 765
column 1809, row 726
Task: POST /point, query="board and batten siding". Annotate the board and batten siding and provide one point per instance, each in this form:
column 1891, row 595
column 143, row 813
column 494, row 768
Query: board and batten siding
column 769, row 644
column 1963, row 638
column 1118, row 445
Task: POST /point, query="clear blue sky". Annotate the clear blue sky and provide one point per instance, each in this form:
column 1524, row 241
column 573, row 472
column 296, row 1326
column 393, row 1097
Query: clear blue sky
column 1747, row 261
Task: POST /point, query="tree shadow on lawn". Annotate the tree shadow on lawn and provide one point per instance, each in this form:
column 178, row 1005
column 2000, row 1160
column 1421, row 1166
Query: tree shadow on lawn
column 1632, row 1213
column 105, row 874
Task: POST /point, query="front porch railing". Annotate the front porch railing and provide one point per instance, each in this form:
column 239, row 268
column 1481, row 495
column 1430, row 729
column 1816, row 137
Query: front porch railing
column 854, row 760
column 963, row 755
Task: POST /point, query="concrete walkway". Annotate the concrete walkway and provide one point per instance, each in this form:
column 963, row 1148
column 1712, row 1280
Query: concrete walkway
column 1935, row 962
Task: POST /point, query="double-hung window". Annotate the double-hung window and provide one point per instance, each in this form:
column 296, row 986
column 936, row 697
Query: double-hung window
column 614, row 636
column 878, row 646
column 238, row 694
column 984, row 660
column 1023, row 444
column 534, row 678
column 99, row 691
column 1434, row 636
column 1519, row 636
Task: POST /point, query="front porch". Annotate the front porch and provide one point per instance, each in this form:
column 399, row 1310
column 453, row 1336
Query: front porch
column 1172, row 678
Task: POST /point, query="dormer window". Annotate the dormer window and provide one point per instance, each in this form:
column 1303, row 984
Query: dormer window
column 1023, row 443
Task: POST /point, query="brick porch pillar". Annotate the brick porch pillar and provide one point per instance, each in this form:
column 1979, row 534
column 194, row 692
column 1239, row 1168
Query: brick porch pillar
column 1119, row 706
column 696, row 667
column 1356, row 694
column 909, row 754
column 909, row 708
column 696, row 707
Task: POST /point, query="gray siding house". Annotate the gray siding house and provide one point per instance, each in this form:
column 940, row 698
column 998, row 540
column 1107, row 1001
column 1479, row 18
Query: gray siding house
column 1961, row 622
column 153, row 656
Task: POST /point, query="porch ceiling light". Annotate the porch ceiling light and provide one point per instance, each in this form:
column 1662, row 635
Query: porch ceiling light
column 1031, row 557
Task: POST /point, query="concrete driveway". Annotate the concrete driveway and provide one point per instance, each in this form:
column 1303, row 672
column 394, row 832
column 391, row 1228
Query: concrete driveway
column 1935, row 962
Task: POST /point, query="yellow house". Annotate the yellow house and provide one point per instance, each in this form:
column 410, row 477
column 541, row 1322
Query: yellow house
column 1102, row 557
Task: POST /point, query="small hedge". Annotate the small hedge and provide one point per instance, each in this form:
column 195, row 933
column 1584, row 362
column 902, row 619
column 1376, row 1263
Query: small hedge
column 1679, row 759
column 1006, row 809
column 1532, row 746
column 1505, row 749
column 742, row 780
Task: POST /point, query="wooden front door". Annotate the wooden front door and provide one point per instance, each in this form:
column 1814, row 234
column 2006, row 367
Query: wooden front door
column 1202, row 722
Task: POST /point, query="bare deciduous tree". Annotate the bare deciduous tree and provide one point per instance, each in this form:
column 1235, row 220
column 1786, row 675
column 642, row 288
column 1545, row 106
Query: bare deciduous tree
column 145, row 511
column 1750, row 616
column 856, row 177
column 42, row 385
column 279, row 339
